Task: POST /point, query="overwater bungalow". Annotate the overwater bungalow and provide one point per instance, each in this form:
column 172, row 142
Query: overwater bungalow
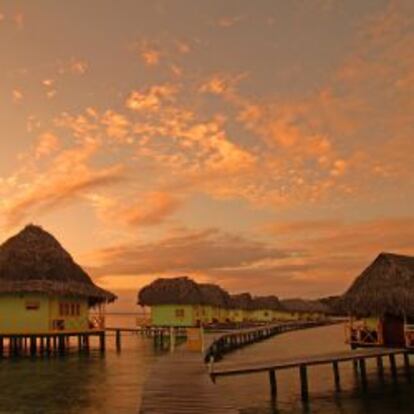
column 174, row 302
column 301, row 309
column 240, row 307
column 380, row 303
column 43, row 290
column 215, row 303
column 263, row 308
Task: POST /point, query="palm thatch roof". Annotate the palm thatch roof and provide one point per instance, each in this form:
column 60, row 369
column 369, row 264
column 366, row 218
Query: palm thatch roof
column 173, row 291
column 214, row 295
column 34, row 261
column 241, row 301
column 386, row 286
column 266, row 303
column 304, row 306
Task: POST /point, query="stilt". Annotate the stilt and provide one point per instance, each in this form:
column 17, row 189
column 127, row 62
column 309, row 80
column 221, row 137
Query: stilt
column 80, row 343
column 407, row 367
column 273, row 384
column 48, row 348
column 32, row 345
column 380, row 367
column 118, row 340
column 336, row 376
column 102, row 341
column 363, row 370
column 393, row 367
column 1, row 346
column 304, row 382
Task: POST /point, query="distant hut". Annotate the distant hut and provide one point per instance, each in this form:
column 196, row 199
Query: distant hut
column 302, row 309
column 240, row 307
column 380, row 303
column 216, row 303
column 174, row 302
column 42, row 289
column 264, row 308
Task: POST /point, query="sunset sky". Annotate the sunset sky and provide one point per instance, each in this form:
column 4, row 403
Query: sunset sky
column 266, row 146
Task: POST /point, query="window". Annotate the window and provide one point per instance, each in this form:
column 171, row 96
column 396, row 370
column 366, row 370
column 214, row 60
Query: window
column 77, row 309
column 73, row 309
column 179, row 313
column 32, row 305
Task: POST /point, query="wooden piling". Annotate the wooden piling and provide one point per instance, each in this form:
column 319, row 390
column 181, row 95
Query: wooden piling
column 102, row 341
column 363, row 370
column 273, row 384
column 393, row 367
column 407, row 367
column 118, row 339
column 304, row 382
column 380, row 367
column 336, row 376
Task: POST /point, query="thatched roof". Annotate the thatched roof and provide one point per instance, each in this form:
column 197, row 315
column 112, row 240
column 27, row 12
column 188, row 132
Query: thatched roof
column 266, row 303
column 241, row 301
column 174, row 291
column 304, row 306
column 214, row 295
column 34, row 261
column 385, row 286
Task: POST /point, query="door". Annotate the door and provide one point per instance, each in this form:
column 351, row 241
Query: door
column 393, row 331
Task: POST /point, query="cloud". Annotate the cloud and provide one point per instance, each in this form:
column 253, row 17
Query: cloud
column 140, row 210
column 68, row 177
column 183, row 251
column 46, row 144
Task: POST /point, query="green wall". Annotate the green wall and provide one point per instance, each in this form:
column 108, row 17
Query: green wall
column 165, row 315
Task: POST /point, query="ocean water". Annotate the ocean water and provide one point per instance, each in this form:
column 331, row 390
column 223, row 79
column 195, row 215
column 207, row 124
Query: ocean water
column 112, row 383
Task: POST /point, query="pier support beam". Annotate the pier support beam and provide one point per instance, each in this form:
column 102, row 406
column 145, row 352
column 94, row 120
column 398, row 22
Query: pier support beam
column 118, row 340
column 407, row 366
column 304, row 382
column 393, row 367
column 336, row 376
column 380, row 367
column 273, row 384
column 363, row 369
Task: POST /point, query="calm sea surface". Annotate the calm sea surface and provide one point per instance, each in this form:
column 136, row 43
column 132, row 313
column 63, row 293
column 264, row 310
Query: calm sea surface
column 113, row 383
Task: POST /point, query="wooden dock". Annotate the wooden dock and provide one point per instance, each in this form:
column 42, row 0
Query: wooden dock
column 179, row 383
column 230, row 341
column 358, row 358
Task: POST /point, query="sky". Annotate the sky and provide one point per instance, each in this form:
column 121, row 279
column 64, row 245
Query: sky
column 267, row 146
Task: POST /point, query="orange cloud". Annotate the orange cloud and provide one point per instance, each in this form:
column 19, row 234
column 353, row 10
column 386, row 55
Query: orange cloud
column 148, row 209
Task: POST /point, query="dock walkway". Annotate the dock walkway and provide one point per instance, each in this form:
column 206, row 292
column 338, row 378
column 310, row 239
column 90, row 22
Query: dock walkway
column 179, row 383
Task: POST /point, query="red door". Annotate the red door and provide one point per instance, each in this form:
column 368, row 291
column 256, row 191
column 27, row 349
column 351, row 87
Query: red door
column 393, row 331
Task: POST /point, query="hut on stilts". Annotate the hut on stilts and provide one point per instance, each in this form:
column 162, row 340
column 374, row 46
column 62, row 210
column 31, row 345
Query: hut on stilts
column 302, row 309
column 263, row 308
column 240, row 307
column 174, row 302
column 45, row 296
column 216, row 303
column 380, row 304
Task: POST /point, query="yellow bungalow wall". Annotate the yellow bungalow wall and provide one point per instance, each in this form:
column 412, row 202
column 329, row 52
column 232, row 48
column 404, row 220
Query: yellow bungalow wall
column 34, row 313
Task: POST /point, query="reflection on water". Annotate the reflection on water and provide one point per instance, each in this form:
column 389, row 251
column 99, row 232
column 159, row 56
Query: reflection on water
column 113, row 383
column 79, row 384
column 251, row 393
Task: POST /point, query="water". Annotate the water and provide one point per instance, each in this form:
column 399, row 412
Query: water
column 113, row 383
column 251, row 395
